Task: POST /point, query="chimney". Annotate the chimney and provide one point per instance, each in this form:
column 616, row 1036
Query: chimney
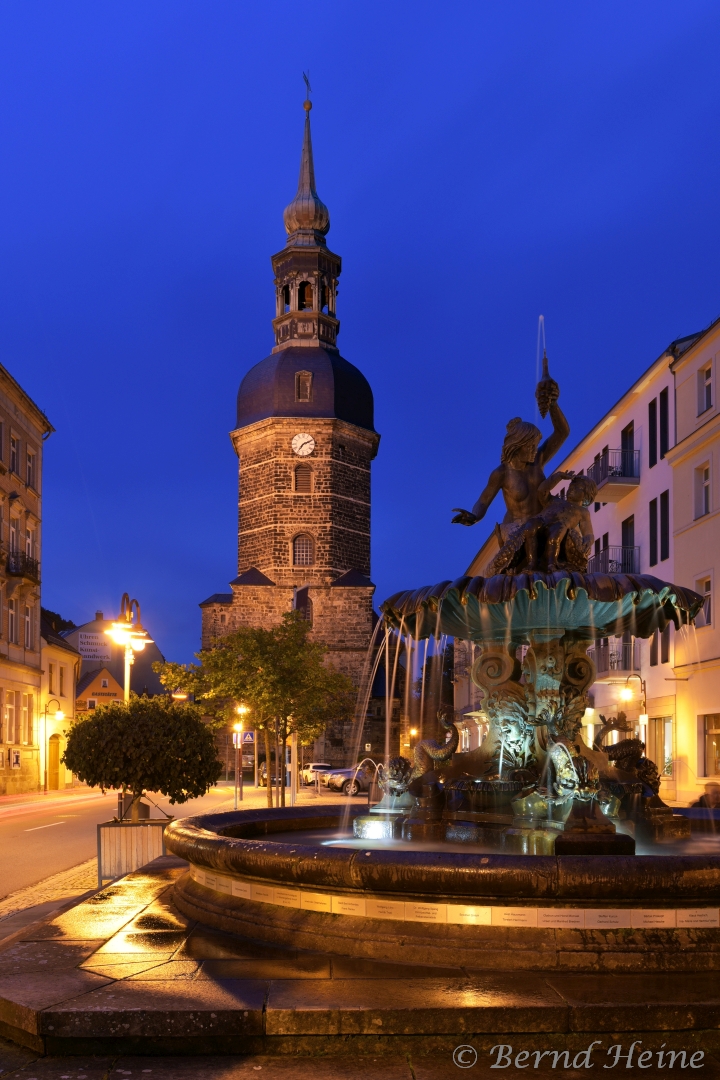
column 99, row 617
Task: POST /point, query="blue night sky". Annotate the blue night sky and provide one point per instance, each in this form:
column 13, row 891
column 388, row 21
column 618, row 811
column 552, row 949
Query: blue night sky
column 483, row 163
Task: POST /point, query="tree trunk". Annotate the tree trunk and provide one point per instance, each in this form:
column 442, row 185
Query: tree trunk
column 277, row 764
column 284, row 759
column 135, row 808
column 268, row 766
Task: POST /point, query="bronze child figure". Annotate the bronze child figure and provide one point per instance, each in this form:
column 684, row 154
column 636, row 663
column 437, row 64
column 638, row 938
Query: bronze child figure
column 559, row 518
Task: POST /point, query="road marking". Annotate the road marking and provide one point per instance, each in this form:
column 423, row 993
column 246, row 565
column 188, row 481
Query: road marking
column 44, row 826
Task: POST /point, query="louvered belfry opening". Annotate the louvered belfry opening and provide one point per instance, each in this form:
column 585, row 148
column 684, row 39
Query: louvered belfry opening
column 303, row 479
column 303, row 550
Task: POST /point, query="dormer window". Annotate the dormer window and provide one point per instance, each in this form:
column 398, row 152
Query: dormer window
column 303, row 386
column 305, row 296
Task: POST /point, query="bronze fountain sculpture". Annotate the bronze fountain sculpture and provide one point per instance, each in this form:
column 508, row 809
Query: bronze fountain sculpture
column 534, row 785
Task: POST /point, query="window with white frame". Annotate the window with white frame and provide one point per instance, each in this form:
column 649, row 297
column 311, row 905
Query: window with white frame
column 702, row 490
column 27, row 627
column 705, row 389
column 14, row 455
column 14, row 534
column 704, row 586
column 10, row 716
column 12, row 622
column 51, row 678
column 31, row 474
column 29, row 542
column 26, row 719
column 61, row 687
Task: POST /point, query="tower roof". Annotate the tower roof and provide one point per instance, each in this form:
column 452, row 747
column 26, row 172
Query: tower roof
column 307, row 218
column 339, row 389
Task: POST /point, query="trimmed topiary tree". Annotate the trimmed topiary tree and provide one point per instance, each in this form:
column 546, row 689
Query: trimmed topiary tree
column 148, row 744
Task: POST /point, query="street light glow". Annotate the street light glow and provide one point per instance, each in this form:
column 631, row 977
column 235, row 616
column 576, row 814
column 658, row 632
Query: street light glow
column 626, row 694
column 59, row 715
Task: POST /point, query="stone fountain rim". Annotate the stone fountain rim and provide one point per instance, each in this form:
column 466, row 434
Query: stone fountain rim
column 202, row 842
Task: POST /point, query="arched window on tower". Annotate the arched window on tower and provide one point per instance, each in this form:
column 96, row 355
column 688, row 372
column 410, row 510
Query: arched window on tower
column 305, row 296
column 303, row 479
column 323, row 297
column 303, row 550
column 286, row 297
column 303, row 386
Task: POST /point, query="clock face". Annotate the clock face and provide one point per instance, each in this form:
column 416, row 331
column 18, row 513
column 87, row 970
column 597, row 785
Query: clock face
column 303, row 444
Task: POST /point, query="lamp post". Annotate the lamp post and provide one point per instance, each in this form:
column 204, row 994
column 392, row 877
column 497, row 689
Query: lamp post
column 241, row 710
column 128, row 631
column 626, row 695
column 59, row 715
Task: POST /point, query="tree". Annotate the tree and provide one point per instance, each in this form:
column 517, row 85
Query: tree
column 279, row 673
column 148, row 744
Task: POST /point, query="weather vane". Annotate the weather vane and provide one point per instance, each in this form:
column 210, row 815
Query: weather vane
column 306, row 77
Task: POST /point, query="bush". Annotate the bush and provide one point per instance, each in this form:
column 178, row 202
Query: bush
column 148, row 744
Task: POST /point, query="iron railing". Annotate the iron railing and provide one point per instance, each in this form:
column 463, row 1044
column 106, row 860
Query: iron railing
column 618, row 656
column 615, row 463
column 615, row 560
column 21, row 565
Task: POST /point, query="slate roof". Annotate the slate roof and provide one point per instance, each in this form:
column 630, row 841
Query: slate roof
column 353, row 579
column 253, row 576
column 217, row 598
column 339, row 389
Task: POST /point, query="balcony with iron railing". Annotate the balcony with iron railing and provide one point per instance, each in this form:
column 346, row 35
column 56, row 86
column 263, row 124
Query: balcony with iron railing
column 21, row 565
column 615, row 560
column 616, row 659
column 616, row 472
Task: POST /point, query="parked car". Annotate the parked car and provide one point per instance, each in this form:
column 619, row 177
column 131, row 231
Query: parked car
column 349, row 781
column 262, row 776
column 309, row 772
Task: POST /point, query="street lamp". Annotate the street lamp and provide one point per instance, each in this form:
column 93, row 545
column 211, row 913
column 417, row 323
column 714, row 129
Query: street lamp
column 626, row 694
column 59, row 715
column 241, row 710
column 128, row 631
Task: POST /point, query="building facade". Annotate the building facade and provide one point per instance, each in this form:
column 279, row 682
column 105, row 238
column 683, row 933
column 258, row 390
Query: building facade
column 60, row 664
column 694, row 460
column 23, row 430
column 657, row 512
column 98, row 652
column 304, row 439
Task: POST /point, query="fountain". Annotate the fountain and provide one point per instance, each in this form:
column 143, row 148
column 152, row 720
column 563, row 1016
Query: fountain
column 534, row 850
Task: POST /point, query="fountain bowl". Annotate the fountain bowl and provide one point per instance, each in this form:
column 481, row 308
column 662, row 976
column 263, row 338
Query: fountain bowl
column 440, row 907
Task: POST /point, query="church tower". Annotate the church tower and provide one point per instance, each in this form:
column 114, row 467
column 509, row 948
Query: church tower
column 305, row 439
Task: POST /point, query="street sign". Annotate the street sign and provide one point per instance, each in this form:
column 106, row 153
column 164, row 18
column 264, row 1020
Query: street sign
column 248, row 738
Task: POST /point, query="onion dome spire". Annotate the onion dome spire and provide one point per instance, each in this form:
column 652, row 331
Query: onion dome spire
column 307, row 218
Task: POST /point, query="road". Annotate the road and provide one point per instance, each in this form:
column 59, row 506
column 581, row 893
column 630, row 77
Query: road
column 38, row 840
column 40, row 837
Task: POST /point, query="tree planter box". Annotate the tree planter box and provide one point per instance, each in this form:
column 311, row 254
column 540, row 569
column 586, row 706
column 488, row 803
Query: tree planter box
column 124, row 846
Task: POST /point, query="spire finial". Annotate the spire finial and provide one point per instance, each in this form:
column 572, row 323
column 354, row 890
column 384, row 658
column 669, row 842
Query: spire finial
column 307, row 219
column 307, row 103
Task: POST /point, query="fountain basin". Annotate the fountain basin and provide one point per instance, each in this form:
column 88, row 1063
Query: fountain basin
column 576, row 913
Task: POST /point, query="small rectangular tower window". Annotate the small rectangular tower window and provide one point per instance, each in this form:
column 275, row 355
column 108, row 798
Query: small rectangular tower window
column 303, row 386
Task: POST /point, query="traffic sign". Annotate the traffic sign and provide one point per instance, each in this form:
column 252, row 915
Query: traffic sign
column 248, row 738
